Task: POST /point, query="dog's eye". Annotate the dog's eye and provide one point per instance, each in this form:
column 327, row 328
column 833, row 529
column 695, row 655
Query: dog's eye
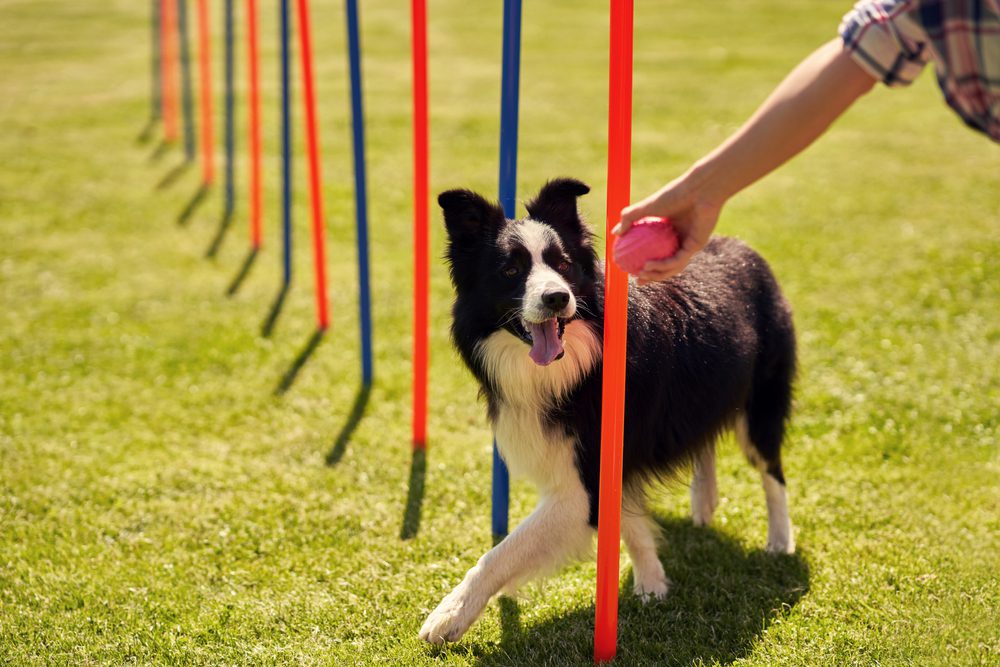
column 511, row 271
column 563, row 266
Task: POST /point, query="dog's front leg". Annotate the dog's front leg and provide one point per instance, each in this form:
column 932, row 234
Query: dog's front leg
column 554, row 532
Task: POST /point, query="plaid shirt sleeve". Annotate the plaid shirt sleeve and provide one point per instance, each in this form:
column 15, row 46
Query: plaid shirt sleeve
column 884, row 41
column 893, row 40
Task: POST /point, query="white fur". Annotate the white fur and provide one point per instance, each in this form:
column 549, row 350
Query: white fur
column 536, row 237
column 780, row 539
column 704, row 488
column 523, row 382
column 558, row 529
column 640, row 535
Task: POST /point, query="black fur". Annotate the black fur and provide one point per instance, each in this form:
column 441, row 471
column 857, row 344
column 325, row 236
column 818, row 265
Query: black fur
column 703, row 347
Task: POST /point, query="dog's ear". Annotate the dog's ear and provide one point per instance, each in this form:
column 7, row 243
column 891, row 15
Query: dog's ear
column 556, row 205
column 468, row 215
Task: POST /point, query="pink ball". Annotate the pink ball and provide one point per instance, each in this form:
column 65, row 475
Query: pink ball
column 646, row 240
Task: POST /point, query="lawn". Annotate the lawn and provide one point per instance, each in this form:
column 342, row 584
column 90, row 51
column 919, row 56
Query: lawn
column 160, row 503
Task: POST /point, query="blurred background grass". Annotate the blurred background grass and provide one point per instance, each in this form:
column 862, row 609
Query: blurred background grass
column 160, row 504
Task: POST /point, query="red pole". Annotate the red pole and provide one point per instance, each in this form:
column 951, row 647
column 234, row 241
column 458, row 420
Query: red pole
column 256, row 197
column 168, row 65
column 315, row 177
column 421, row 264
column 205, row 70
column 615, row 334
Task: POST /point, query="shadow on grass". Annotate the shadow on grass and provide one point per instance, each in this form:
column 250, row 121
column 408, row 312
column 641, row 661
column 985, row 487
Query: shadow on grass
column 414, row 495
column 244, row 271
column 146, row 134
column 199, row 196
column 267, row 328
column 288, row 379
column 159, row 151
column 357, row 413
column 220, row 234
column 723, row 598
column 173, row 175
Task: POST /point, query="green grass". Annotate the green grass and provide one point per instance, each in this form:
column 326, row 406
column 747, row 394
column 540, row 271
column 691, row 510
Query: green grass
column 159, row 504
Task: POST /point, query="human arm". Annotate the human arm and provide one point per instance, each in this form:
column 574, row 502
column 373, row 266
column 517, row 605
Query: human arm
column 799, row 110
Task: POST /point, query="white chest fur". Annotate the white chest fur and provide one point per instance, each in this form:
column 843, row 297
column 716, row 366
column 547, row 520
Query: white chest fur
column 531, row 448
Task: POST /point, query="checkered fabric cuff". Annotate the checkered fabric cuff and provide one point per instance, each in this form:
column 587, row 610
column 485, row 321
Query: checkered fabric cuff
column 884, row 41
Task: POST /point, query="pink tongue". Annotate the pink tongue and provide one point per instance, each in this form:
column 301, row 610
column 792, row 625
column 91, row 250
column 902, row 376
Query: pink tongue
column 546, row 345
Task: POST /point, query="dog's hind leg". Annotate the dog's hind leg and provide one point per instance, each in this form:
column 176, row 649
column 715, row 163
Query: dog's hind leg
column 780, row 539
column 704, row 489
column 556, row 531
column 640, row 536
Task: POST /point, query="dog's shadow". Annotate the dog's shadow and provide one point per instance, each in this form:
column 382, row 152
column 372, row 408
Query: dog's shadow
column 722, row 599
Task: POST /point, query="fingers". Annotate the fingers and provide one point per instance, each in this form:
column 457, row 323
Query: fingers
column 663, row 269
column 660, row 204
column 629, row 215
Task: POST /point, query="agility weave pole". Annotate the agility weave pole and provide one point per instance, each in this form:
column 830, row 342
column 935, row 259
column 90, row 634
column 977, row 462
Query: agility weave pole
column 168, row 72
column 360, row 190
column 315, row 172
column 253, row 70
column 615, row 335
column 205, row 76
column 286, row 142
column 421, row 236
column 510, row 79
column 155, row 61
column 230, row 99
column 187, row 95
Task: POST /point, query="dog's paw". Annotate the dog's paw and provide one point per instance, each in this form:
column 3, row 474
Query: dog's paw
column 784, row 544
column 780, row 538
column 449, row 621
column 652, row 588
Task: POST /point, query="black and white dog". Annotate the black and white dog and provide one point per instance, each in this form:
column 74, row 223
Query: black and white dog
column 710, row 349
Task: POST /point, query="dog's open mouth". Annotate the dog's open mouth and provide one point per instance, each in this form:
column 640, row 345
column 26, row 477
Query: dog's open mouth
column 545, row 339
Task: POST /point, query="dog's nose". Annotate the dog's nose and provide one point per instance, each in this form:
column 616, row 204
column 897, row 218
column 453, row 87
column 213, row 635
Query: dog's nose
column 555, row 300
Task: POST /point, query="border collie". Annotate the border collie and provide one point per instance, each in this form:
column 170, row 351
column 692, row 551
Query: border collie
column 708, row 350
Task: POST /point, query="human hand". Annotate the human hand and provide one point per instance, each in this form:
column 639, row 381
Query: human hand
column 692, row 215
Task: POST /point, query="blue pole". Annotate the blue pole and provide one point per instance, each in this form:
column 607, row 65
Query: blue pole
column 155, row 100
column 230, row 120
column 510, row 80
column 286, row 141
column 360, row 190
column 188, row 97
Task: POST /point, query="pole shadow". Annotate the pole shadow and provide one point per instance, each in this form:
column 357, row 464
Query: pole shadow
column 237, row 282
column 225, row 222
column 722, row 599
column 146, row 133
column 510, row 619
column 159, row 151
column 288, row 379
column 188, row 211
column 267, row 328
column 357, row 413
column 173, row 175
column 414, row 495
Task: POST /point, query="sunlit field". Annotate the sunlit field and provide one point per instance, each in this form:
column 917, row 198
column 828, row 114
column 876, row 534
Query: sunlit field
column 162, row 502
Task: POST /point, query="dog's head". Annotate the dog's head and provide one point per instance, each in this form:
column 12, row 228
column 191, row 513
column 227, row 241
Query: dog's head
column 529, row 277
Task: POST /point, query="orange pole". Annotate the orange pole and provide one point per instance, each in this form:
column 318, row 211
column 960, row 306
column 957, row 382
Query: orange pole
column 615, row 336
column 205, row 71
column 168, row 64
column 256, row 197
column 315, row 177
column 421, row 236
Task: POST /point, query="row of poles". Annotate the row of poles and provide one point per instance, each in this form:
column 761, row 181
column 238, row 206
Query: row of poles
column 170, row 49
column 172, row 96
